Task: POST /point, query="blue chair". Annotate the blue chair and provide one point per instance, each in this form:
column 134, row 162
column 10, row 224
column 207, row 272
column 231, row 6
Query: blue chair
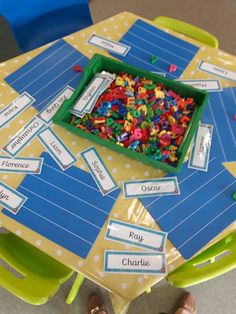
column 37, row 22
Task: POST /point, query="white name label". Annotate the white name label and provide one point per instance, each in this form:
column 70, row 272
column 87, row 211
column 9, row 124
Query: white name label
column 88, row 95
column 136, row 235
column 18, row 105
column 47, row 114
column 96, row 87
column 21, row 165
column 134, row 262
column 200, row 153
column 18, row 142
column 99, row 171
column 209, row 85
column 152, row 187
column 56, row 148
column 11, row 199
column 218, row 71
column 109, row 45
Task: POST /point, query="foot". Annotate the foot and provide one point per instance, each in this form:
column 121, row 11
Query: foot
column 96, row 305
column 187, row 304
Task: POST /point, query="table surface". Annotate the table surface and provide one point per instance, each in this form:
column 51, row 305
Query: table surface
column 121, row 167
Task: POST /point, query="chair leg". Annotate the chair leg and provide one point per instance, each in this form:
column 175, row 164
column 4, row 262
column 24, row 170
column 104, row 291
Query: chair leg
column 75, row 288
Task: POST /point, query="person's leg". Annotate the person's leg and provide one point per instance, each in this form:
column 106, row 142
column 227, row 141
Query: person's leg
column 96, row 305
column 186, row 304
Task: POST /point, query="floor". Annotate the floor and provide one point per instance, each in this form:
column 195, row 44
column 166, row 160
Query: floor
column 217, row 296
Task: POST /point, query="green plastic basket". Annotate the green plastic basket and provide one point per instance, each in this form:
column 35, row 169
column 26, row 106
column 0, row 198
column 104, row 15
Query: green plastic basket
column 100, row 63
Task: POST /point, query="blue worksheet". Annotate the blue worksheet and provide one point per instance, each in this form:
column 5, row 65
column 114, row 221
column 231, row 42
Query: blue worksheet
column 60, row 206
column 205, row 206
column 48, row 73
column 146, row 40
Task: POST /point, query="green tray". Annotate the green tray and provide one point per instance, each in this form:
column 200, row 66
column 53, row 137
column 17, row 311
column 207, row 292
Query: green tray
column 100, row 63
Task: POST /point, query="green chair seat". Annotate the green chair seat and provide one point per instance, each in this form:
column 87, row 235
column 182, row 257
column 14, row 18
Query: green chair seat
column 33, row 276
column 188, row 30
column 211, row 263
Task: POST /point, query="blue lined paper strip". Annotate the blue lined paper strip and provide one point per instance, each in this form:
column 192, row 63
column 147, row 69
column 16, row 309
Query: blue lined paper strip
column 205, row 206
column 60, row 206
column 146, row 40
column 48, row 73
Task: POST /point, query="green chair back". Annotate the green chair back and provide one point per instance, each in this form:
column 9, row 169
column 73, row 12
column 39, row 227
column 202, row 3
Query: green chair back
column 27, row 272
column 188, row 30
column 211, row 263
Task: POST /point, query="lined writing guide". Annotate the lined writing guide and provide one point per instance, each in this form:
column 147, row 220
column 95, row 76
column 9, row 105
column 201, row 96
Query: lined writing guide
column 146, row 40
column 60, row 207
column 48, row 74
column 205, row 206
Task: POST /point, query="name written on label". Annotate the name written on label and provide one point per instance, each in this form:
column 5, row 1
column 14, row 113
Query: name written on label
column 134, row 262
column 11, row 199
column 140, row 262
column 208, row 84
column 89, row 93
column 55, row 147
column 18, row 105
column 25, row 134
column 47, row 114
column 216, row 70
column 107, row 44
column 113, row 46
column 154, row 188
column 8, row 164
column 148, row 188
column 201, row 148
column 98, row 170
column 3, row 196
column 135, row 236
column 220, row 70
column 21, row 165
column 56, row 105
column 7, row 113
column 18, row 142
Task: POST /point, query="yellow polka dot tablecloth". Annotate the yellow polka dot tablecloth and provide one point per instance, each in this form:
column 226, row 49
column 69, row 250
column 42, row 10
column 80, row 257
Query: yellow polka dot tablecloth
column 122, row 168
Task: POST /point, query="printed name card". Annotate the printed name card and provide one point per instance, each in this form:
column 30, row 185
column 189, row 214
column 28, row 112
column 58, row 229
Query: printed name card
column 15, row 108
column 21, row 165
column 209, row 85
column 19, row 141
column 134, row 262
column 216, row 70
column 200, row 153
column 47, row 114
column 159, row 73
column 150, row 188
column 99, row 171
column 136, row 235
column 96, row 87
column 11, row 199
column 109, row 45
column 87, row 96
column 56, row 148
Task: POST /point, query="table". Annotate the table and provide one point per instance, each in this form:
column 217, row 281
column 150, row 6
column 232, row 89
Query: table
column 121, row 167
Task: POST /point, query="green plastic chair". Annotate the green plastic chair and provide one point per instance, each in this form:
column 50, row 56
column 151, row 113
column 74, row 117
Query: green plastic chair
column 188, row 30
column 75, row 288
column 29, row 273
column 213, row 262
